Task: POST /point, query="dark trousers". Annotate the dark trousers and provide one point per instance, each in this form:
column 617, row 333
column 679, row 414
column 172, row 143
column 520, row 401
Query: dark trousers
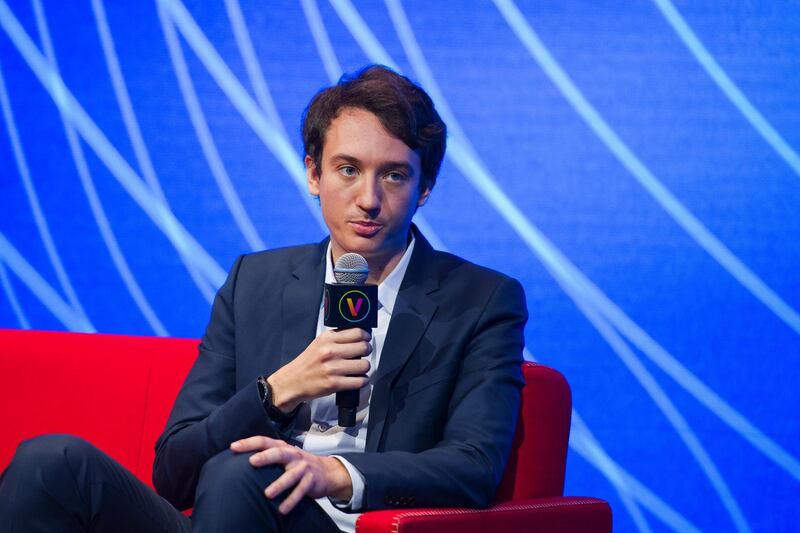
column 63, row 483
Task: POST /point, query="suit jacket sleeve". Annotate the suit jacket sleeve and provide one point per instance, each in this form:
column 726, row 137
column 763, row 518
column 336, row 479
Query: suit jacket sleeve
column 209, row 413
column 465, row 467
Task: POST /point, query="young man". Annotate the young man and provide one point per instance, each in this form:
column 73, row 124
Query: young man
column 252, row 443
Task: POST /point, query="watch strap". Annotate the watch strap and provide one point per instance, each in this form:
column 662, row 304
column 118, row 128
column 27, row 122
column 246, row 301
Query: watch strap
column 275, row 414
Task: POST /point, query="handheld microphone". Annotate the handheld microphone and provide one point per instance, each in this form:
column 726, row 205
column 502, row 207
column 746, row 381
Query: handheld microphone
column 350, row 303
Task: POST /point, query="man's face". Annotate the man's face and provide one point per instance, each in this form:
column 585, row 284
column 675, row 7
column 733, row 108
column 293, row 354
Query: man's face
column 368, row 187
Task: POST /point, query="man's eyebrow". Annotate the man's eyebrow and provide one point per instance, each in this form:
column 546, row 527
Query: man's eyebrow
column 346, row 158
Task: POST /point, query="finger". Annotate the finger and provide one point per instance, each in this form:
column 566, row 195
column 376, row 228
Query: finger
column 351, row 335
column 286, row 481
column 250, row 444
column 351, row 382
column 350, row 367
column 278, row 455
column 354, row 349
column 297, row 494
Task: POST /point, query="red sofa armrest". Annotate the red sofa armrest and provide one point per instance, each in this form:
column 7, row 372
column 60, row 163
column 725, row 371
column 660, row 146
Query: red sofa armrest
column 563, row 514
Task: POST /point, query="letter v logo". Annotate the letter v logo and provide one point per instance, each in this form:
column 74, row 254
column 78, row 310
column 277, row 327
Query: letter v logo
column 354, row 308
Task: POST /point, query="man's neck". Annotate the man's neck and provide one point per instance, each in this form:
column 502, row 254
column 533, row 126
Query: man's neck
column 379, row 266
column 379, row 269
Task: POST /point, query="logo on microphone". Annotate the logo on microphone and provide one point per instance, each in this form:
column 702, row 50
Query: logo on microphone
column 354, row 306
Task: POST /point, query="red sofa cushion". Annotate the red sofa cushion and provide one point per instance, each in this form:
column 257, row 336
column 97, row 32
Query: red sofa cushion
column 115, row 391
column 565, row 514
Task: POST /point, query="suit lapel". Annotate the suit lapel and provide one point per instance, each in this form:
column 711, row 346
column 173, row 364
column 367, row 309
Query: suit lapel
column 301, row 300
column 413, row 311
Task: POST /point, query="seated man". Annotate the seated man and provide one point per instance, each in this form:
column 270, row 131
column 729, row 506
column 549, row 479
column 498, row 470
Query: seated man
column 252, row 443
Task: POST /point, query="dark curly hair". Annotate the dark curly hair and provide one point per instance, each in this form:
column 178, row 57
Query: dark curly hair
column 403, row 108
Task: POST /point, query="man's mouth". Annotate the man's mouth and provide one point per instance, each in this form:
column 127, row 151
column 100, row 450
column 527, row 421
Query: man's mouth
column 365, row 228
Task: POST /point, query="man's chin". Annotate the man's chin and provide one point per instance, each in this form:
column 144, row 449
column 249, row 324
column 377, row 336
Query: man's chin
column 368, row 247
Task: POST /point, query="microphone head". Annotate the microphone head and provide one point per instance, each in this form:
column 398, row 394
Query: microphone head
column 351, row 269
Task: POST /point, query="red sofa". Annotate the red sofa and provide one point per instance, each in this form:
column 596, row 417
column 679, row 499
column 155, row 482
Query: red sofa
column 116, row 391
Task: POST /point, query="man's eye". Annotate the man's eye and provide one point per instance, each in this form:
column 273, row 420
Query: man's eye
column 395, row 176
column 348, row 170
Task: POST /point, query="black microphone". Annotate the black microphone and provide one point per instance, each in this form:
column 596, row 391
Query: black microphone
column 350, row 303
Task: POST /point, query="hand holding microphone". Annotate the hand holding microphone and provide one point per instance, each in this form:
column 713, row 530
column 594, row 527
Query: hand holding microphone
column 333, row 362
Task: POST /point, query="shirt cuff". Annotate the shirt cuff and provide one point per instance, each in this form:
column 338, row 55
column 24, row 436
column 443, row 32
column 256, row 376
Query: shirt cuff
column 357, row 499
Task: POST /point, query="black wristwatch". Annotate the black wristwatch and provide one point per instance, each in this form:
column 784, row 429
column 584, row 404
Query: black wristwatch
column 275, row 414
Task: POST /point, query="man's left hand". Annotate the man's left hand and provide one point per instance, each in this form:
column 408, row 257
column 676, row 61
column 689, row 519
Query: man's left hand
column 310, row 475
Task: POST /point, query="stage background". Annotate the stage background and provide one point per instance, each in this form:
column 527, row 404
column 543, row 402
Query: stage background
column 634, row 164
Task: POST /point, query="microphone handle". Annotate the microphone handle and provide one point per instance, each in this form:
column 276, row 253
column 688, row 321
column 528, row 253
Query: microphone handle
column 347, row 402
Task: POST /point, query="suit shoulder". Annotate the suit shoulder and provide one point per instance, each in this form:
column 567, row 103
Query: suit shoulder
column 450, row 265
column 468, row 281
column 268, row 267
column 280, row 257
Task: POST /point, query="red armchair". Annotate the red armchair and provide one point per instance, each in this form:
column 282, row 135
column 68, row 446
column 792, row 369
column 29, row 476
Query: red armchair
column 116, row 391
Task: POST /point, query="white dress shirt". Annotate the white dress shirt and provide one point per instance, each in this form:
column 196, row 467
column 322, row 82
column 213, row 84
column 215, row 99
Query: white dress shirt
column 324, row 436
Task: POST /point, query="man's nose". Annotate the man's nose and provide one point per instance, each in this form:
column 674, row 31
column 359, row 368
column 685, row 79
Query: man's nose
column 368, row 197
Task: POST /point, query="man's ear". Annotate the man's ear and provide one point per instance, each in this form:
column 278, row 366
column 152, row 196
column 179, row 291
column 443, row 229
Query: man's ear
column 312, row 175
column 424, row 193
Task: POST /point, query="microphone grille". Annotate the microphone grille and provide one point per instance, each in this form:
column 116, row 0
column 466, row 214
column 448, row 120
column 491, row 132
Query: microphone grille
column 351, row 269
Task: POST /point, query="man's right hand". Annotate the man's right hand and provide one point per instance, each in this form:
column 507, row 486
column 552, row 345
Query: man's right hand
column 331, row 363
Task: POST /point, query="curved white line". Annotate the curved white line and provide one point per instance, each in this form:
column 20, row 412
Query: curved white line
column 429, row 232
column 135, row 135
column 251, row 64
column 665, row 405
column 585, row 444
column 12, row 298
column 321, row 40
column 614, row 477
column 242, row 101
column 38, row 214
column 674, row 208
column 727, row 86
column 124, row 100
column 363, row 35
column 117, row 257
column 162, row 217
column 203, row 133
column 464, row 157
column 40, row 288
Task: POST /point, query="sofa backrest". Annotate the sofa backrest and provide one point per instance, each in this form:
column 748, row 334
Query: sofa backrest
column 538, row 460
column 116, row 391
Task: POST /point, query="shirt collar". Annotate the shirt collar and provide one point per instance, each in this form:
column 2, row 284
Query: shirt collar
column 390, row 286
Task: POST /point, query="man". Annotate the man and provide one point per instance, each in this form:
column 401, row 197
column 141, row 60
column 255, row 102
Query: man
column 252, row 442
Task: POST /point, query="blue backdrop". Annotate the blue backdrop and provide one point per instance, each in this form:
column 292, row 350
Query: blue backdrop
column 634, row 164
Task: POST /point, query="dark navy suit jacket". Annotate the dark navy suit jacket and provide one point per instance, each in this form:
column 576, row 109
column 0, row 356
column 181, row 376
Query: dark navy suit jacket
column 445, row 395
